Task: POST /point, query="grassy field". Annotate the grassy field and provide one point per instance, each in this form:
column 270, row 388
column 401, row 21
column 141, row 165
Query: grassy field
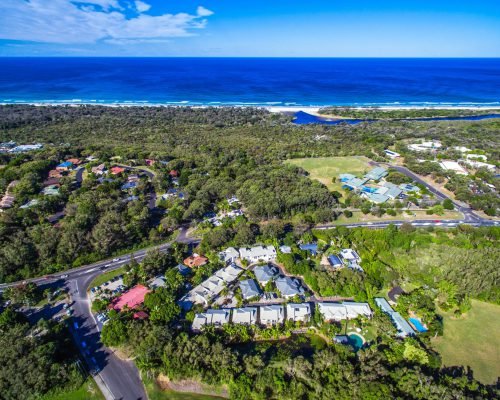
column 473, row 340
column 106, row 277
column 324, row 169
column 88, row 391
column 156, row 393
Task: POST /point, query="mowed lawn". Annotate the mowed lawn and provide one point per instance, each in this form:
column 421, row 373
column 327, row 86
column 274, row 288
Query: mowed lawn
column 473, row 340
column 324, row 169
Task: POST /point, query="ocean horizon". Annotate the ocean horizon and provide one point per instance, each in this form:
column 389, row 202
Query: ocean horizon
column 261, row 82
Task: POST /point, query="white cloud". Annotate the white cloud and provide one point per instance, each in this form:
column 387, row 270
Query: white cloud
column 203, row 12
column 64, row 22
column 141, row 6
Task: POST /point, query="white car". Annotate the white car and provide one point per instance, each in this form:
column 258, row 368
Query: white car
column 116, row 259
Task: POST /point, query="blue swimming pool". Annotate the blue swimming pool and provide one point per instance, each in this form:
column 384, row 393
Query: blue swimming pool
column 356, row 341
column 418, row 325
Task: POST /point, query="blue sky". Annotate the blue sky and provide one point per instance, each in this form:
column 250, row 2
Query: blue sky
column 275, row 28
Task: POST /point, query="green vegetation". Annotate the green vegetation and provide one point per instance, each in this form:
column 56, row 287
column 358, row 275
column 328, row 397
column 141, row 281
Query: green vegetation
column 472, row 340
column 88, row 391
column 155, row 392
column 324, row 169
column 380, row 113
column 106, row 276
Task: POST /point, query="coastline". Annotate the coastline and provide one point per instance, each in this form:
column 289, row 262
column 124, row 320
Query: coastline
column 310, row 109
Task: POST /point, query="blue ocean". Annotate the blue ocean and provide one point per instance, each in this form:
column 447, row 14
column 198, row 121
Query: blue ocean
column 252, row 81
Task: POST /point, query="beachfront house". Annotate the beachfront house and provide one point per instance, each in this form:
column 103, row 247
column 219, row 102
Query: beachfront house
column 403, row 327
column 245, row 315
column 271, row 315
column 258, row 253
column 298, row 312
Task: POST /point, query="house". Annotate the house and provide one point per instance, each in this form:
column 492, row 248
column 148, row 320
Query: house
column 54, row 173
column 345, row 310
column 117, row 170
column 99, row 170
column 26, row 147
column 232, row 200
column 229, row 255
column 245, row 315
column 51, row 182
column 461, row 149
column 265, row 274
column 129, row 186
column 30, row 204
column 131, row 298
column 195, row 260
column 298, row 312
column 174, row 174
column 159, row 281
column 285, row 249
column 453, row 166
column 403, row 327
column 376, row 174
column 211, row 317
column 271, row 315
column 52, row 190
column 479, row 164
column 341, row 339
column 407, row 187
column 140, row 315
column 74, row 161
column 347, row 255
column 133, row 178
column 391, row 154
column 425, row 146
column 130, row 198
column 249, row 289
column 149, row 162
column 393, row 191
column 65, row 166
column 258, row 253
column 334, row 261
column 312, row 248
column 289, row 287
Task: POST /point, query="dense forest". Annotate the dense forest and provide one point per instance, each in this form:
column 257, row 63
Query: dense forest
column 36, row 359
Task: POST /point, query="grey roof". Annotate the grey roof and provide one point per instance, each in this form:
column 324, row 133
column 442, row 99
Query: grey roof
column 265, row 273
column 249, row 289
column 355, row 182
column 401, row 324
column 285, row 249
column 377, row 197
column 376, row 173
column 289, row 287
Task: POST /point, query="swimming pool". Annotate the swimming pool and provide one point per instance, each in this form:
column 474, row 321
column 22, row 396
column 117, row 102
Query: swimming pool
column 418, row 325
column 356, row 341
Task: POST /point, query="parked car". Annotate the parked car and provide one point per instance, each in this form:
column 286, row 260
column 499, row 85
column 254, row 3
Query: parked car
column 116, row 259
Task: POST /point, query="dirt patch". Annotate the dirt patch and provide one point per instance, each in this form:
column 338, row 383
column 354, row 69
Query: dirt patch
column 191, row 386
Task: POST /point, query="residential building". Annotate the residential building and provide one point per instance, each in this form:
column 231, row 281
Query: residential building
column 195, row 260
column 159, row 281
column 335, row 261
column 211, row 317
column 393, row 191
column 229, row 255
column 425, row 146
column 298, row 312
column 65, row 166
column 54, row 173
column 52, row 190
column 376, row 173
column 183, row 270
column 258, row 253
column 403, row 327
column 289, row 287
column 345, row 310
column 232, row 200
column 285, row 249
column 74, row 161
column 408, row 187
column 129, row 185
column 117, row 170
column 271, row 315
column 99, row 170
column 391, row 154
column 347, row 255
column 131, row 298
column 312, row 248
column 249, row 289
column 448, row 165
column 245, row 315
column 265, row 273
column 479, row 164
column 26, row 147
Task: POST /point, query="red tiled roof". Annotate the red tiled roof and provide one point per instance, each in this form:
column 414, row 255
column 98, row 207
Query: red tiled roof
column 174, row 173
column 117, row 170
column 131, row 298
column 141, row 315
column 195, row 261
column 75, row 161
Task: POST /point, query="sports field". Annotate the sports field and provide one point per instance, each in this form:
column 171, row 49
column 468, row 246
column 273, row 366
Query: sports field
column 473, row 340
column 324, row 169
